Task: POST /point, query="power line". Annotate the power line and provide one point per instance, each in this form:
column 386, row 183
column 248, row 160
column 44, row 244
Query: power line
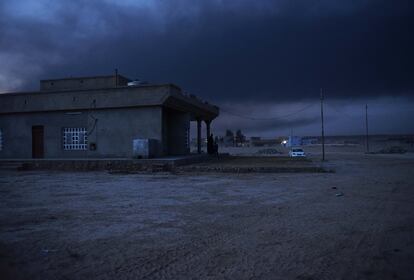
column 339, row 111
column 366, row 127
column 267, row 119
column 322, row 128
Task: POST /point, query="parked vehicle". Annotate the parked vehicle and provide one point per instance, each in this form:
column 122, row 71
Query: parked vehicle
column 296, row 152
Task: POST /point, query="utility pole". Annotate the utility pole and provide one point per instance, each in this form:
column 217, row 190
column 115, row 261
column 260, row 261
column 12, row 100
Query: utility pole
column 323, row 129
column 366, row 127
column 116, row 77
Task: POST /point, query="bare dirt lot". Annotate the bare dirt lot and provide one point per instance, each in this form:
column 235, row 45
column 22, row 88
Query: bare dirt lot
column 356, row 223
column 253, row 163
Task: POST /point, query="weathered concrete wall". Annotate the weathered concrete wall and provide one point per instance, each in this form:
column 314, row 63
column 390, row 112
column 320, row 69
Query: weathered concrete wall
column 83, row 99
column 111, row 129
column 83, row 83
column 119, row 127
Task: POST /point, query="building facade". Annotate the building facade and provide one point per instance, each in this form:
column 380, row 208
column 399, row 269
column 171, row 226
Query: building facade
column 98, row 117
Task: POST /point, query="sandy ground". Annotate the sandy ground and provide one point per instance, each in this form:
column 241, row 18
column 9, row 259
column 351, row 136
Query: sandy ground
column 356, row 223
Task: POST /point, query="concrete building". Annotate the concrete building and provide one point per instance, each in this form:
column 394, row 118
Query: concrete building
column 99, row 117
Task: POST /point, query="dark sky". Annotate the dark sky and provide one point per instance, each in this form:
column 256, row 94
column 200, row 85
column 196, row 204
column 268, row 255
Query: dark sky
column 255, row 59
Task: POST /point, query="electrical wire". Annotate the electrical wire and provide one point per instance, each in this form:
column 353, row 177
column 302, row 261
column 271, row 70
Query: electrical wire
column 267, row 119
column 341, row 111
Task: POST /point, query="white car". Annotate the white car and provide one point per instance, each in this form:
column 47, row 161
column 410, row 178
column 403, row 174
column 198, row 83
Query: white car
column 296, row 152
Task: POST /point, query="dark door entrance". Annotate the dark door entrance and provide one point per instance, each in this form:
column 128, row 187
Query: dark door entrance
column 37, row 141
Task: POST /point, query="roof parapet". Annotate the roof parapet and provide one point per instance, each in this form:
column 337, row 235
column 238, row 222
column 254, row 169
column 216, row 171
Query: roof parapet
column 80, row 83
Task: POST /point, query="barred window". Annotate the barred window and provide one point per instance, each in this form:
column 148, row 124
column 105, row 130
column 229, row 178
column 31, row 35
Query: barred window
column 75, row 138
column 1, row 140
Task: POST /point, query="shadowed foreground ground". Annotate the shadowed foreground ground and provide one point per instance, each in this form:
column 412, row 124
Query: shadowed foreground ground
column 356, row 223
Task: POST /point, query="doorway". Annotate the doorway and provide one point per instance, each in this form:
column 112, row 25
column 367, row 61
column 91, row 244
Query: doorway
column 37, row 141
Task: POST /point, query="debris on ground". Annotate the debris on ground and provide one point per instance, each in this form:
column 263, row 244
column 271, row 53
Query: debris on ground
column 47, row 251
column 339, row 194
column 73, row 254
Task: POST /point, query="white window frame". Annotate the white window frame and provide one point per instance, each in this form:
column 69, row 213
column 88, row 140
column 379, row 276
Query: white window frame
column 75, row 138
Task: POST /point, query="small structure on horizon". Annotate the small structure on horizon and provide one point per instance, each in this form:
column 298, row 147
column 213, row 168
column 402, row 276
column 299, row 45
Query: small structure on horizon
column 256, row 141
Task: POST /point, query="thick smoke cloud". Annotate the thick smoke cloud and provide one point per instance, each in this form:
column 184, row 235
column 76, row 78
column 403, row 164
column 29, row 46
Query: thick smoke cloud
column 224, row 51
column 219, row 49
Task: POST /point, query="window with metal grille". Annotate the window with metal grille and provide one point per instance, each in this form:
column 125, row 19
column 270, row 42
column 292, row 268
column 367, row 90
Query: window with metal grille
column 1, row 140
column 75, row 138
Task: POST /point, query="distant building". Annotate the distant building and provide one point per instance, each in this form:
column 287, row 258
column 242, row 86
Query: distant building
column 309, row 141
column 99, row 117
column 294, row 141
column 255, row 141
column 228, row 139
column 259, row 142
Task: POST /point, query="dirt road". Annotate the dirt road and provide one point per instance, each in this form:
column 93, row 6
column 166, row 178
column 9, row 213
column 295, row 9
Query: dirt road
column 356, row 223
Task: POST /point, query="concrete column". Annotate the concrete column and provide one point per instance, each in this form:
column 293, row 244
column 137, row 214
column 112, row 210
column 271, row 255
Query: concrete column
column 199, row 136
column 208, row 128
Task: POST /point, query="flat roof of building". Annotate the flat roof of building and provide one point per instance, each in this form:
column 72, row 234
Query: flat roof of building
column 84, row 78
column 165, row 95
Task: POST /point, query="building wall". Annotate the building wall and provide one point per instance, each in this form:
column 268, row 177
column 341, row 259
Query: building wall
column 83, row 83
column 121, row 97
column 111, row 129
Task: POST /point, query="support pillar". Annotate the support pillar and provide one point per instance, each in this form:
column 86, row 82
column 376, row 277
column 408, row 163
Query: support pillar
column 199, row 136
column 208, row 132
